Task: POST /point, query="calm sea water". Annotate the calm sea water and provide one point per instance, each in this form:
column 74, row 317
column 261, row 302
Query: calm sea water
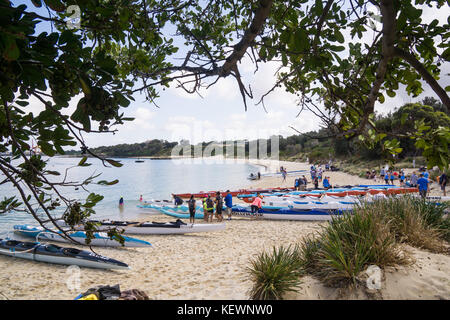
column 153, row 179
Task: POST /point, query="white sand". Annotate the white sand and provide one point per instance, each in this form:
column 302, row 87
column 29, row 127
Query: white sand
column 213, row 265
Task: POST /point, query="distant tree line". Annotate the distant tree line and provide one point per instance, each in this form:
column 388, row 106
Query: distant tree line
column 314, row 145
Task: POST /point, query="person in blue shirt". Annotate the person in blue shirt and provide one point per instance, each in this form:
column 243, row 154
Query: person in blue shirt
column 386, row 178
column 423, row 186
column 326, row 183
column 392, row 177
column 402, row 178
column 296, row 184
column 228, row 203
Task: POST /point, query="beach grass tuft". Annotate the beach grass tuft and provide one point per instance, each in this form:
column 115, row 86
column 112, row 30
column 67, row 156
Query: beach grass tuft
column 275, row 273
column 373, row 234
column 347, row 246
column 414, row 221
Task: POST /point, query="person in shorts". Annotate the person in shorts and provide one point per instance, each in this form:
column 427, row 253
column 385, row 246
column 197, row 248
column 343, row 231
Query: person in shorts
column 256, row 205
column 228, row 204
column 191, row 205
column 219, row 206
column 423, row 186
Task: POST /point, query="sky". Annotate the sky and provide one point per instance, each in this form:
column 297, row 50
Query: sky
column 219, row 114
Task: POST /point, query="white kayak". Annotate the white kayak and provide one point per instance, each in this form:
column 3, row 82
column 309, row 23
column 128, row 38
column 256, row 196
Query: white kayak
column 100, row 239
column 175, row 227
column 54, row 254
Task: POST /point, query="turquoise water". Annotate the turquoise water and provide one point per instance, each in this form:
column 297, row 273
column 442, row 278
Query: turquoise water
column 153, row 179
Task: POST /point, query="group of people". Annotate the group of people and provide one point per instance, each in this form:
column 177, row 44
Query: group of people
column 390, row 175
column 211, row 207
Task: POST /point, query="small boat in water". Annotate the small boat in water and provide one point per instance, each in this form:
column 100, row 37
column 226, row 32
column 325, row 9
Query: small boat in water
column 59, row 255
column 100, row 239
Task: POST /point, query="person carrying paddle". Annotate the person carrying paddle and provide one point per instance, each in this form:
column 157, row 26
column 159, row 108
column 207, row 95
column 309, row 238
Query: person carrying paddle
column 256, row 205
column 191, row 204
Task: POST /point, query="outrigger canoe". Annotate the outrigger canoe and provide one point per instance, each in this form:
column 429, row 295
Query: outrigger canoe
column 173, row 227
column 59, row 255
column 100, row 239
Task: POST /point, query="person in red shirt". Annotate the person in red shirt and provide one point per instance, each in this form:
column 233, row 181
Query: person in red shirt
column 256, row 205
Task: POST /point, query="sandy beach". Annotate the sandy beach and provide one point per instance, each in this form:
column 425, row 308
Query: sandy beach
column 213, row 265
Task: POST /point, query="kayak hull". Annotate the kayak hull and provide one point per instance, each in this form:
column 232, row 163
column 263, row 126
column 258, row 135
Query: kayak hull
column 58, row 255
column 99, row 240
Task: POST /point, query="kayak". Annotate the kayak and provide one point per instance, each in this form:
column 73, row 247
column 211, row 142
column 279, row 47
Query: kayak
column 179, row 215
column 100, row 239
column 59, row 255
column 291, row 214
column 173, row 227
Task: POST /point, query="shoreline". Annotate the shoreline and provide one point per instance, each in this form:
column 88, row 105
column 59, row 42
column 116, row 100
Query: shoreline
column 213, row 265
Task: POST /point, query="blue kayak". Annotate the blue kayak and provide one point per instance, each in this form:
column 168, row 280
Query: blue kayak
column 100, row 239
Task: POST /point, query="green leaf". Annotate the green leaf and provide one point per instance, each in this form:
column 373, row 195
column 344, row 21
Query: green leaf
column 82, row 161
column 11, row 51
column 114, row 163
column 54, row 173
column 108, row 183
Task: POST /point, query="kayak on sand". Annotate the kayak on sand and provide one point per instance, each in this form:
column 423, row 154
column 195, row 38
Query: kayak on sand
column 59, row 255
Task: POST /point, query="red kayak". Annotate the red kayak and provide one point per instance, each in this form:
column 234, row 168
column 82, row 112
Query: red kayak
column 203, row 194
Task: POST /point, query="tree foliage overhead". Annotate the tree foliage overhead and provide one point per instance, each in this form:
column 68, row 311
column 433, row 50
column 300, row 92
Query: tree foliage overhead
column 333, row 54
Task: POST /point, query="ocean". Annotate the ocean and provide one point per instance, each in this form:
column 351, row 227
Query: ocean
column 153, row 179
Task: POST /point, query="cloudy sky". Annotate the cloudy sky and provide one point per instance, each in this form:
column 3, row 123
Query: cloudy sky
column 218, row 114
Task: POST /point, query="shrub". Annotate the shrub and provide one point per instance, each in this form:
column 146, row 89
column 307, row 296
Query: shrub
column 275, row 273
column 347, row 246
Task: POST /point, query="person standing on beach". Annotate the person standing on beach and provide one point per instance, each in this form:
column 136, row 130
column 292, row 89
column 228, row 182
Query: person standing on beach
column 423, row 186
column 209, row 208
column 284, row 173
column 382, row 173
column 402, row 178
column 316, row 183
column 392, row 177
column 386, row 177
column 413, row 180
column 191, row 204
column 219, row 206
column 205, row 210
column 443, row 179
column 256, row 205
column 326, row 183
column 121, row 202
column 229, row 204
